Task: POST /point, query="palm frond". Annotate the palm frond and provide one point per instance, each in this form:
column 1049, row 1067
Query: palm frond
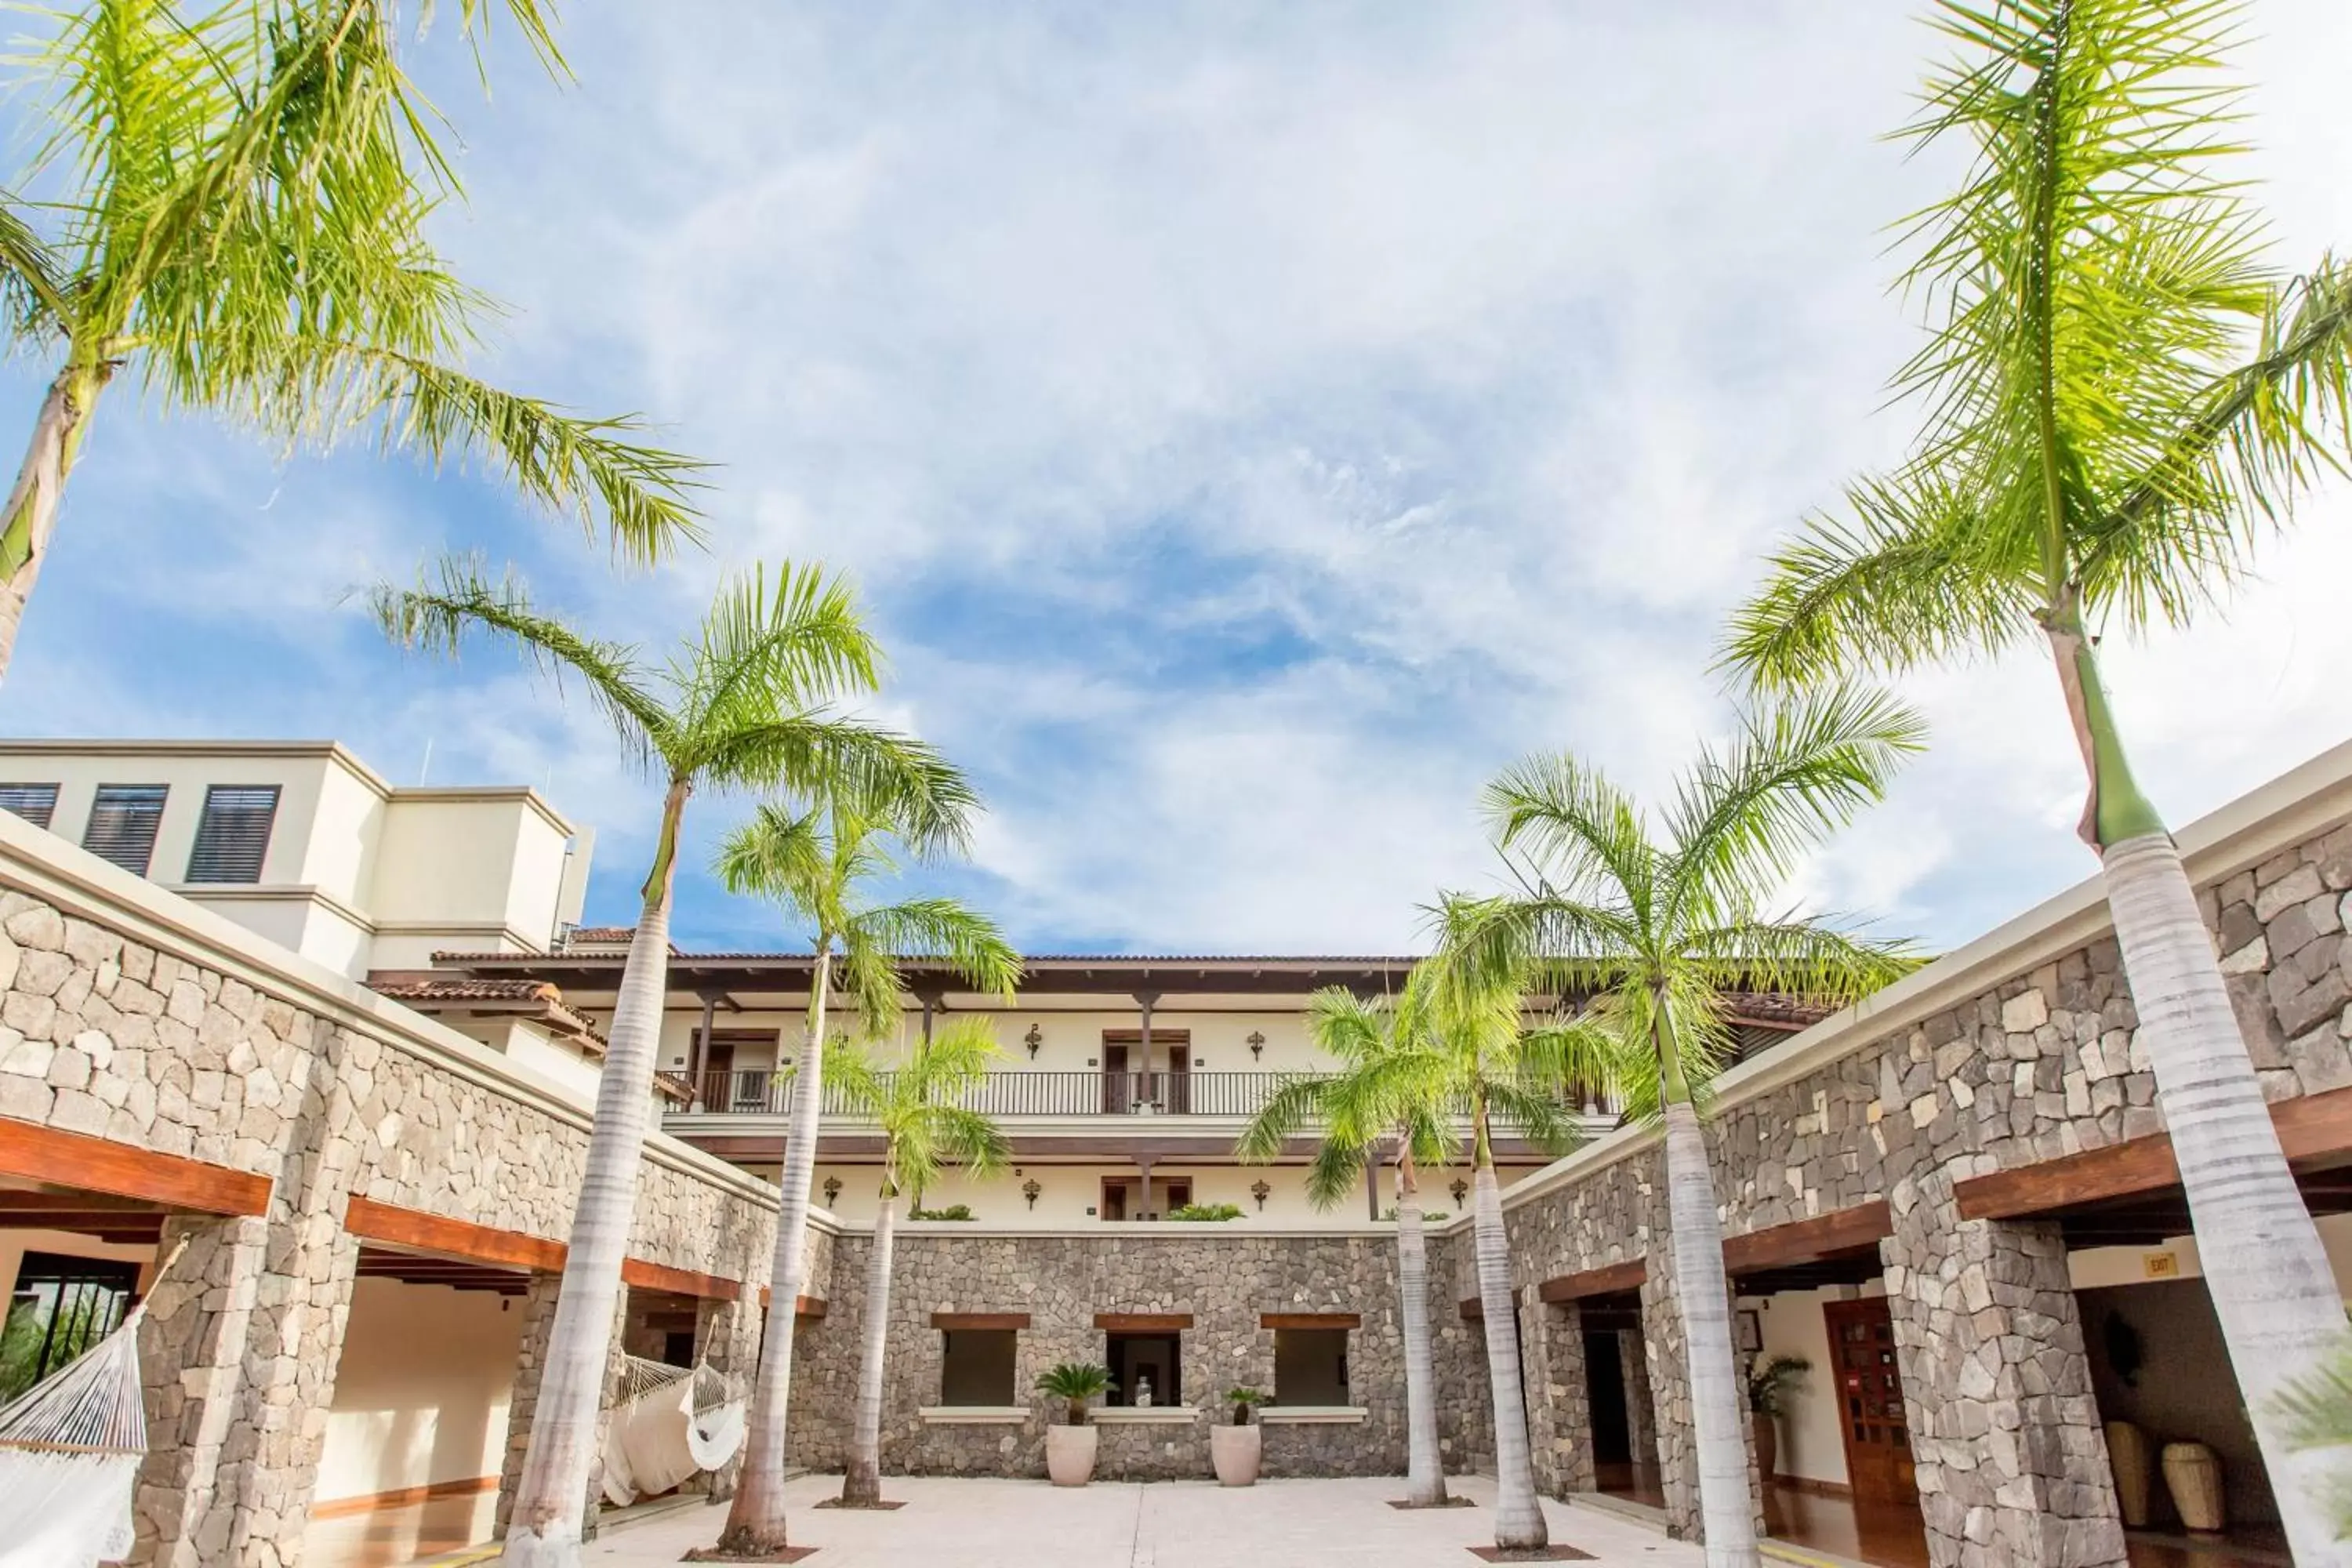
column 791, row 648
column 641, row 495
column 1580, row 828
column 33, row 280
column 1815, row 963
column 1798, row 770
column 1902, row 581
column 870, row 986
column 1293, row 1105
column 455, row 598
column 821, row 755
column 968, row 941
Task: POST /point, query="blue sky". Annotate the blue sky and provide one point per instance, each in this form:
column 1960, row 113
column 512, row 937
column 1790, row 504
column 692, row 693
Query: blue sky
column 1249, row 427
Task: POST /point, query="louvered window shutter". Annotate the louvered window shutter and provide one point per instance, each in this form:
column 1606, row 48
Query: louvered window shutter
column 35, row 803
column 122, row 823
column 234, row 833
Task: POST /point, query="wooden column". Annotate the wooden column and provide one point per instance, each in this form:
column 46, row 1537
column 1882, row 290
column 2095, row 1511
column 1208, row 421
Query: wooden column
column 1144, row 999
column 701, row 1054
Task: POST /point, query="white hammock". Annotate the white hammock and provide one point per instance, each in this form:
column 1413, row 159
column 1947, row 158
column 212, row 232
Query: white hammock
column 69, row 1453
column 667, row 1425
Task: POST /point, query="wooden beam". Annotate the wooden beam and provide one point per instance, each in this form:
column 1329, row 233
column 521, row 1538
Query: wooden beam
column 1143, row 1322
column 641, row 1275
column 1474, row 1311
column 809, row 1307
column 2315, row 1130
column 980, row 1319
column 1607, row 1281
column 437, row 1236
column 1809, row 1240
column 1310, row 1321
column 56, row 1158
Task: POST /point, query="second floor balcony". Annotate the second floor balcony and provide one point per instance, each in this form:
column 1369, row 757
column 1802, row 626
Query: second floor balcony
column 1232, row 1096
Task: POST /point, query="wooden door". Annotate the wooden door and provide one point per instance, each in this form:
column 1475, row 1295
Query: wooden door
column 1178, row 1101
column 1114, row 1200
column 1870, row 1401
column 1116, row 1088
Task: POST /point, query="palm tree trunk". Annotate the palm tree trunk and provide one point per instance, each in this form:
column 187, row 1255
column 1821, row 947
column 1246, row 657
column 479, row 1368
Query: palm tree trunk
column 31, row 514
column 1519, row 1515
column 2265, row 1265
column 755, row 1521
column 1703, row 1298
column 552, row 1495
column 862, row 1484
column 1425, row 1471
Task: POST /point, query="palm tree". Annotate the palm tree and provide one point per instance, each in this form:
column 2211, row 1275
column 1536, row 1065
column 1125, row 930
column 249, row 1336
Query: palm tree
column 1655, row 930
column 744, row 704
column 2121, row 398
column 913, row 1106
column 815, row 864
column 234, row 209
column 1356, row 1117
column 1470, row 1048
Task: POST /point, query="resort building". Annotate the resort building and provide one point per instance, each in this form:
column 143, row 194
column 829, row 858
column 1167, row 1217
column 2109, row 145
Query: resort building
column 346, row 1214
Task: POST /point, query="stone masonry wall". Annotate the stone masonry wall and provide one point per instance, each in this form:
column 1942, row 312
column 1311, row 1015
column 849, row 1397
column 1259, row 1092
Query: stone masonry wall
column 1225, row 1278
column 2042, row 1065
column 174, row 1047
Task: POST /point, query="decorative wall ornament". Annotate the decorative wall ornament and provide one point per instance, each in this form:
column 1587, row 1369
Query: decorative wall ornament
column 1033, row 1039
column 1261, row 1192
column 1030, row 1189
column 1256, row 1045
column 1461, row 1191
column 832, row 1190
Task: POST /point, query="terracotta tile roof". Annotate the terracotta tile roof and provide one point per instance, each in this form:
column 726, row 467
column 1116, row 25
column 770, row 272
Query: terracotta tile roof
column 409, row 987
column 602, row 936
column 1773, row 1007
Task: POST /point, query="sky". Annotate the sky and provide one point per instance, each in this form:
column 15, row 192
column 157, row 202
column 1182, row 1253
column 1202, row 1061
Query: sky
column 1248, row 428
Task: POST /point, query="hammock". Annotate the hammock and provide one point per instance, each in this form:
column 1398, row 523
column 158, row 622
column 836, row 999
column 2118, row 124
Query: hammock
column 667, row 1425
column 69, row 1453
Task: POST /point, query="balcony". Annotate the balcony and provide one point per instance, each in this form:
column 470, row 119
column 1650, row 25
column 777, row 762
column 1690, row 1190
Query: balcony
column 1232, row 1096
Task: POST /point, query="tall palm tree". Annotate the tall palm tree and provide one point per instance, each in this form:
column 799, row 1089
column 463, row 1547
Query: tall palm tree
column 744, row 704
column 1473, row 1045
column 817, row 865
column 1653, row 929
column 1358, row 1118
column 2121, row 397
column 913, row 1105
column 232, row 207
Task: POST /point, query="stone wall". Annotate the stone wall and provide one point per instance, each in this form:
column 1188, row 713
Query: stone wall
column 2015, row 1068
column 1226, row 1278
column 127, row 1014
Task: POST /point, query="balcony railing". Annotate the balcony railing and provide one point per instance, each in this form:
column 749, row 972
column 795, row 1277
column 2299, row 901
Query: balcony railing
column 1233, row 1095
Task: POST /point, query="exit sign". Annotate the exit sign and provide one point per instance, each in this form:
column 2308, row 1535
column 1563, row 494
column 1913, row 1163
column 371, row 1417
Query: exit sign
column 2160, row 1265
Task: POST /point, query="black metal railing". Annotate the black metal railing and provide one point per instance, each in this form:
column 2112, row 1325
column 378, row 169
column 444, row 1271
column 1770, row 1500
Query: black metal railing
column 763, row 1092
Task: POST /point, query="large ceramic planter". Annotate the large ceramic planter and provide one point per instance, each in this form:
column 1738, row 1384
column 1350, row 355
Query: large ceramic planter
column 1070, row 1454
column 1768, row 1445
column 1235, row 1452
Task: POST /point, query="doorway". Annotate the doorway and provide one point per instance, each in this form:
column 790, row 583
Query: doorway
column 1122, row 1196
column 1154, row 1080
column 1871, row 1416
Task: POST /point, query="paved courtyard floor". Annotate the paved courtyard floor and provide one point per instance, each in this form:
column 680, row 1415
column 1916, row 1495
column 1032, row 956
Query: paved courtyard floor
column 1176, row 1524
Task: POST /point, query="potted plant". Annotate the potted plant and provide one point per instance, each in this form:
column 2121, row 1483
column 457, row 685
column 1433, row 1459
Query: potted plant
column 1768, row 1382
column 1236, row 1449
column 1070, row 1444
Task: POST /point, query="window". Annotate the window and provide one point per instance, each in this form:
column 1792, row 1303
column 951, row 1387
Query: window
column 1310, row 1366
column 122, row 823
column 35, row 803
column 234, row 835
column 977, row 1367
column 61, row 1308
column 1141, row 1361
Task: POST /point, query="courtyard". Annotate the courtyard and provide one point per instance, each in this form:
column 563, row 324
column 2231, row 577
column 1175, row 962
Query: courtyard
column 989, row 1523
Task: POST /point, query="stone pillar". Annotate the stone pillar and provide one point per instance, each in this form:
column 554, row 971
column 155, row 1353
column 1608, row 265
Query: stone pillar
column 238, row 1355
column 1559, row 1419
column 522, row 1401
column 1660, row 1346
column 2012, row 1463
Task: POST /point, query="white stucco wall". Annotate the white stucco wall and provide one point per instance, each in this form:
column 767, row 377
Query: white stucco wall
column 421, row 1391
column 1067, row 1191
